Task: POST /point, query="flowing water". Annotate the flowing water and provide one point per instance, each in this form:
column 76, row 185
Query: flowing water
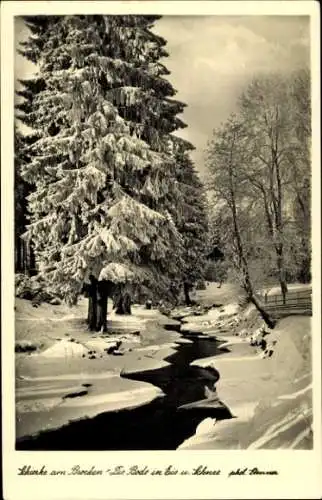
column 159, row 425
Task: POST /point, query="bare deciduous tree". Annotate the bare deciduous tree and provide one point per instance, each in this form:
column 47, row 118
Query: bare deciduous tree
column 259, row 161
column 264, row 109
column 225, row 154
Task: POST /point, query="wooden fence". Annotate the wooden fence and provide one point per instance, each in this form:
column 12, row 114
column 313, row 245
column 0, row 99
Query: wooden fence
column 296, row 302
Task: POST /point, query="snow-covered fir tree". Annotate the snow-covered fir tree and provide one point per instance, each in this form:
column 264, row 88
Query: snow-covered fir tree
column 96, row 179
column 24, row 256
column 107, row 186
column 154, row 117
column 191, row 218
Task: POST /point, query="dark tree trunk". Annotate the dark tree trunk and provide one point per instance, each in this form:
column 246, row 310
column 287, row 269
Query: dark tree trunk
column 186, row 290
column 123, row 303
column 284, row 291
column 18, row 260
column 102, row 298
column 305, row 269
column 24, row 260
column 32, row 261
column 174, row 292
column 271, row 322
column 127, row 303
column 281, row 273
column 91, row 291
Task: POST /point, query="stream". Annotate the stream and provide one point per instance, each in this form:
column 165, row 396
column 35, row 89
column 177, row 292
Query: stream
column 159, row 425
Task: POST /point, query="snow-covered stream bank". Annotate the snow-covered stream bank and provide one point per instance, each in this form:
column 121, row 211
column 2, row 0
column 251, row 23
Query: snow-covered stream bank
column 159, row 424
column 165, row 389
column 69, row 399
column 270, row 397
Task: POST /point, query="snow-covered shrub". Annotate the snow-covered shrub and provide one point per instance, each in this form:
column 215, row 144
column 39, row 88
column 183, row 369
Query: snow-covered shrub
column 257, row 338
column 27, row 346
column 23, row 286
column 33, row 288
column 243, row 333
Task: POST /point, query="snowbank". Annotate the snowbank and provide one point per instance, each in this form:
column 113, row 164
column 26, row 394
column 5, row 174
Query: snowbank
column 65, row 348
column 213, row 318
column 115, row 400
column 271, row 398
column 52, row 403
column 77, row 374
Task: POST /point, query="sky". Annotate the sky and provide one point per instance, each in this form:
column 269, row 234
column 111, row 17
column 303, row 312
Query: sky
column 212, row 59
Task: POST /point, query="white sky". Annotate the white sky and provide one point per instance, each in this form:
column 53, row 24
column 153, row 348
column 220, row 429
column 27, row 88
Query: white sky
column 211, row 59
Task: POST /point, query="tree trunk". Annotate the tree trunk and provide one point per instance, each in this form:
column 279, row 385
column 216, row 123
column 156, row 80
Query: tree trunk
column 305, row 270
column 271, row 322
column 281, row 273
column 24, row 267
column 174, row 292
column 186, row 290
column 18, row 264
column 32, row 262
column 123, row 302
column 102, row 298
column 127, row 303
column 242, row 263
column 91, row 290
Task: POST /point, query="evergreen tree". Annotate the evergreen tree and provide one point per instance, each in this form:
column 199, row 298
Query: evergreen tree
column 97, row 207
column 20, row 204
column 24, row 257
column 28, row 89
column 191, row 220
column 154, row 118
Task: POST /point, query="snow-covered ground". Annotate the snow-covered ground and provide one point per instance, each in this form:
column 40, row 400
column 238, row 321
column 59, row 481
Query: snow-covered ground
column 74, row 374
column 210, row 319
column 226, row 294
column 271, row 398
column 292, row 287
